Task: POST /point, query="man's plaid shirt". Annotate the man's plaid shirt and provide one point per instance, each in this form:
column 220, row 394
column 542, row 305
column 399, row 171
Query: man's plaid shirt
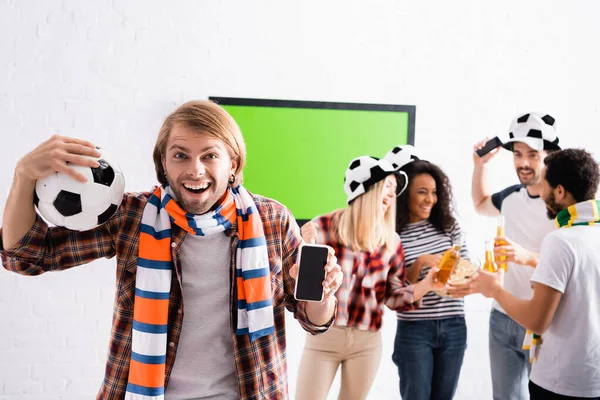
column 260, row 365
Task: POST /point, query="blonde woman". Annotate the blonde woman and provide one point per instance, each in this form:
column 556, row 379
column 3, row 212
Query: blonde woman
column 369, row 252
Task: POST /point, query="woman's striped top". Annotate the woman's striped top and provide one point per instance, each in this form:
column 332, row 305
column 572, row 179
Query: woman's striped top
column 423, row 238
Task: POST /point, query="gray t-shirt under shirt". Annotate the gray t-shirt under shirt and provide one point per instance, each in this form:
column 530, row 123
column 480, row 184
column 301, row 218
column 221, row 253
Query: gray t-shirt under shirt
column 204, row 366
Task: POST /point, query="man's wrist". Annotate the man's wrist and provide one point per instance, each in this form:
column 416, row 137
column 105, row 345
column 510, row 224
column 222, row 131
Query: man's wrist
column 531, row 258
column 321, row 306
column 319, row 313
column 329, row 301
column 23, row 182
column 496, row 291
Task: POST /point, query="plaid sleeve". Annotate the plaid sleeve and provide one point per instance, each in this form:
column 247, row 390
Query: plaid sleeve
column 291, row 248
column 399, row 294
column 46, row 249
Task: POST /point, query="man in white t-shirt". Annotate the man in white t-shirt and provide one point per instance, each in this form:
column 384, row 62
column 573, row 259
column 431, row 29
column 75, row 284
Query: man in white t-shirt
column 532, row 138
column 565, row 307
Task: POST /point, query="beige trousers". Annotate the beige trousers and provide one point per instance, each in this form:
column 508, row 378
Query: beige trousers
column 359, row 353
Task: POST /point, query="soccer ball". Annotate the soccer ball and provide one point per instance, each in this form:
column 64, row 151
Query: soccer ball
column 79, row 206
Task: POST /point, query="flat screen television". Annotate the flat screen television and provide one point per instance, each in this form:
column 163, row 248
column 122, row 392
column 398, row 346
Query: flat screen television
column 298, row 151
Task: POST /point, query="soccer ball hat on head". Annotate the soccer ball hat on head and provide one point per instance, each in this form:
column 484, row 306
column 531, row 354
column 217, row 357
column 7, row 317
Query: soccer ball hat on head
column 362, row 173
column 536, row 130
column 365, row 171
column 78, row 206
column 401, row 155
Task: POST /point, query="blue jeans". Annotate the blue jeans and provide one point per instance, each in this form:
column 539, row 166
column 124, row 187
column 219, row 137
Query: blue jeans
column 509, row 362
column 429, row 355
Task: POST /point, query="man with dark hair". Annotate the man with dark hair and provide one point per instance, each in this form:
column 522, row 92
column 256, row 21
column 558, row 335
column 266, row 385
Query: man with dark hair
column 532, row 136
column 566, row 284
column 576, row 171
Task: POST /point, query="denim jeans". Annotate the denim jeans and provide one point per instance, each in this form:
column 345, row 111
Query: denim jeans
column 429, row 355
column 509, row 362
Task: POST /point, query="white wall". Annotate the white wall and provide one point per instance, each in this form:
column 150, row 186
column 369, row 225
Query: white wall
column 110, row 71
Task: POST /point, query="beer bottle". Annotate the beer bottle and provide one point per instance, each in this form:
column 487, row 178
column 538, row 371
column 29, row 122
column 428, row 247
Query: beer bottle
column 449, row 261
column 500, row 233
column 489, row 264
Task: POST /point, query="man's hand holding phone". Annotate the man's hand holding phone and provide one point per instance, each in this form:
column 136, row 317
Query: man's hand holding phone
column 486, row 149
column 318, row 276
column 311, row 257
column 333, row 276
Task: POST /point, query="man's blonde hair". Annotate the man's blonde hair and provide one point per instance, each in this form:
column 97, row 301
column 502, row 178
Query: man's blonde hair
column 206, row 117
column 362, row 227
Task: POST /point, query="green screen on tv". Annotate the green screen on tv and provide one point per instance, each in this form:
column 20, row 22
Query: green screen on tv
column 298, row 151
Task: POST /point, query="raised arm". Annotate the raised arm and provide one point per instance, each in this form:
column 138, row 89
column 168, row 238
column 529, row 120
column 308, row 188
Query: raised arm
column 480, row 193
column 49, row 157
column 28, row 246
column 19, row 213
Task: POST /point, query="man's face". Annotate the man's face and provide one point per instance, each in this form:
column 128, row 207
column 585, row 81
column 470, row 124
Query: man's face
column 552, row 206
column 528, row 163
column 198, row 167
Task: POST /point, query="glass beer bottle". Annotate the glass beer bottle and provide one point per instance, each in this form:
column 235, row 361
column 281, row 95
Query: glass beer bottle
column 489, row 264
column 449, row 261
column 500, row 233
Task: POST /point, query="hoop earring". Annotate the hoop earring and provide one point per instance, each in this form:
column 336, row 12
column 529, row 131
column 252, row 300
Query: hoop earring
column 231, row 179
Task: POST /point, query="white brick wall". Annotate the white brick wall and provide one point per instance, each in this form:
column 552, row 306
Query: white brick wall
column 110, row 71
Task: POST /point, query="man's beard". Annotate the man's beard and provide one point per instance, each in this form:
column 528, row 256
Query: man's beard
column 552, row 207
column 196, row 207
column 533, row 179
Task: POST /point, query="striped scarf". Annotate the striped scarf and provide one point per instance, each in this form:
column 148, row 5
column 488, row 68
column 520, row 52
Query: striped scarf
column 153, row 280
column 584, row 213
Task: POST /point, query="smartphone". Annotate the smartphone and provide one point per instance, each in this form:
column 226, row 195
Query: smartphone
column 489, row 146
column 311, row 272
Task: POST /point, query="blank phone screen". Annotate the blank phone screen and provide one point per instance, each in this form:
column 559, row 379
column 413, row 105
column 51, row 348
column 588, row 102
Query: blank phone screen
column 311, row 273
